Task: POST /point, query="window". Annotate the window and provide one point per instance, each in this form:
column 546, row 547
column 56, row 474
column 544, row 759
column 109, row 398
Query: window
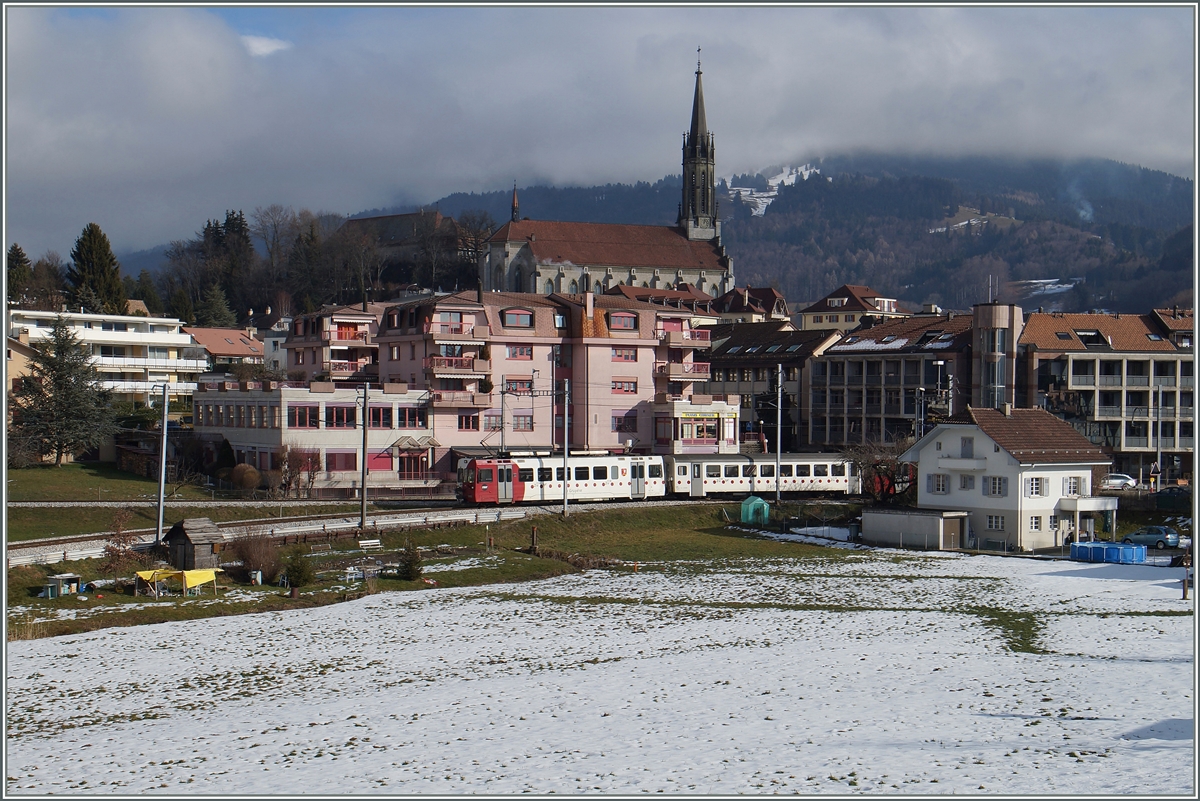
column 581, row 474
column 485, row 475
column 731, row 471
column 491, row 421
column 380, row 416
column 298, row 356
column 624, row 354
column 525, row 474
column 1035, row 523
column 966, row 482
column 410, row 417
column 712, row 471
column 802, row 471
column 519, row 385
column 1071, row 485
column 624, row 422
column 341, row 462
column 600, row 472
column 112, row 350
column 301, row 416
column 109, row 326
column 340, row 417
column 622, row 321
column 517, row 318
column 522, row 421
column 816, row 318
column 995, row 486
column 1036, row 487
column 995, row 522
column 838, row 469
column 656, row 471
column 937, row 483
column 624, row 387
column 468, row 421
column 785, row 471
column 524, row 352
column 821, row 470
column 849, row 318
column 1053, row 522
column 833, row 318
column 560, row 320
column 767, row 471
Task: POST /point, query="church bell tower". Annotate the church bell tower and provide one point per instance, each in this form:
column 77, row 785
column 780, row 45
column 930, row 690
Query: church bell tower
column 698, row 211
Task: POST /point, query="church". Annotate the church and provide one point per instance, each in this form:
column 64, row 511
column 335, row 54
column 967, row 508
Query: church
column 545, row 257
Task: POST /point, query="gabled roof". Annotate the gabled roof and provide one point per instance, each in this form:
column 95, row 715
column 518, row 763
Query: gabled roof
column 1032, row 436
column 752, row 300
column 1057, row 331
column 395, row 230
column 858, row 299
column 764, row 343
column 1176, row 319
column 198, row 530
column 226, row 341
column 942, row 332
column 611, row 245
column 687, row 293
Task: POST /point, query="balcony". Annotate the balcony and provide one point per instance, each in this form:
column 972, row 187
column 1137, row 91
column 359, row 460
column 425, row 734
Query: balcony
column 347, row 367
column 819, row 380
column 1110, row 380
column 1187, row 380
column 1108, row 411
column 456, row 364
column 1187, row 442
column 1137, row 380
column 837, row 378
column 1083, row 380
column 892, row 379
column 453, row 332
column 684, row 339
column 1137, row 411
column 693, row 371
column 1164, row 380
column 346, row 335
column 874, row 409
column 1185, row 412
column 891, row 409
column 130, row 362
column 459, row 398
column 1137, row 442
column 129, row 387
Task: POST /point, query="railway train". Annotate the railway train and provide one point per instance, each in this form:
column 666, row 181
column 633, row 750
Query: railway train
column 538, row 478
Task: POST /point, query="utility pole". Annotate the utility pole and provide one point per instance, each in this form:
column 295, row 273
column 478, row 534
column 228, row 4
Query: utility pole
column 503, row 392
column 566, row 439
column 162, row 468
column 366, row 424
column 778, row 423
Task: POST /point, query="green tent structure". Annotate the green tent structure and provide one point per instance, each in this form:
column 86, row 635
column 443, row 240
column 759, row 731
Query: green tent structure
column 755, row 511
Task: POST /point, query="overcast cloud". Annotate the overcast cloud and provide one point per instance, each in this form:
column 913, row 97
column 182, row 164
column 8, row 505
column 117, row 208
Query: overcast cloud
column 148, row 121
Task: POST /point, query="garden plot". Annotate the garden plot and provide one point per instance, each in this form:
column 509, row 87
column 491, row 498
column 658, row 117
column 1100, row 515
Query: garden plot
column 872, row 672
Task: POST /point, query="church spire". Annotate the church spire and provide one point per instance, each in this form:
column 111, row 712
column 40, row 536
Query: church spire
column 515, row 206
column 698, row 211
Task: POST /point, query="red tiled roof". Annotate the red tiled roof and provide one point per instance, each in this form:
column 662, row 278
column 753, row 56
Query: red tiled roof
column 1056, row 331
column 610, row 245
column 858, row 298
column 761, row 300
column 1176, row 319
column 226, row 341
column 907, row 333
column 1033, row 436
column 644, row 293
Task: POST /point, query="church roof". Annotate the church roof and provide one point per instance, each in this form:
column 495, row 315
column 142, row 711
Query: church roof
column 699, row 124
column 612, row 245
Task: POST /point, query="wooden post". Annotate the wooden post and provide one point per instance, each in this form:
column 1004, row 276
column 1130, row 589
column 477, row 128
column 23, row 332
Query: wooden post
column 533, row 540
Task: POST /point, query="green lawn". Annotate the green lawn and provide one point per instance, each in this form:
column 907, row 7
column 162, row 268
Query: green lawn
column 90, row 481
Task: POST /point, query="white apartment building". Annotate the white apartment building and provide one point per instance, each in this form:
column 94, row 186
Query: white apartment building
column 134, row 355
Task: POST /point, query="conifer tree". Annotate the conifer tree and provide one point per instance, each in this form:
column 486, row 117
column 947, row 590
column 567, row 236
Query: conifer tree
column 20, row 273
column 60, row 408
column 181, row 307
column 213, row 311
column 94, row 266
column 145, row 291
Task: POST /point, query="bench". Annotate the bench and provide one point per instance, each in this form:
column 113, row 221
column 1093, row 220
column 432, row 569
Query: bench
column 320, row 546
column 370, row 545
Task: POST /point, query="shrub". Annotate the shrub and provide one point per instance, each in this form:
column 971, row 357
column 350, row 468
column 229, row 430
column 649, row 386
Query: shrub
column 118, row 546
column 245, row 476
column 410, row 562
column 299, row 570
column 259, row 552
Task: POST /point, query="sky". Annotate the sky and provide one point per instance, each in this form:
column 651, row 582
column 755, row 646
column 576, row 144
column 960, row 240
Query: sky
column 881, row 673
column 150, row 120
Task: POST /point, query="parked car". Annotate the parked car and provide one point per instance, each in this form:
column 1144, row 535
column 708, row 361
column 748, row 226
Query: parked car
column 1158, row 536
column 1175, row 497
column 1118, row 481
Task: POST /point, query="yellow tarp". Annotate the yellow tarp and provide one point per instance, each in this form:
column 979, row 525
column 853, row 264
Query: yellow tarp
column 190, row 578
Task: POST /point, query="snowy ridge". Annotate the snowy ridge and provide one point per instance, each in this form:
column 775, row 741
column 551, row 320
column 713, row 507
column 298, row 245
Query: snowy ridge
column 758, row 200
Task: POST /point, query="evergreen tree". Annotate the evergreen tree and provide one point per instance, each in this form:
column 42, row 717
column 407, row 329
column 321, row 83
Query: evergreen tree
column 94, row 266
column 181, row 307
column 145, row 291
column 213, row 311
column 60, row 408
column 85, row 299
column 20, row 273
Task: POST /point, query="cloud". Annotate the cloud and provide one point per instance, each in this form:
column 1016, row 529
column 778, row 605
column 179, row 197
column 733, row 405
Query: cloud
column 150, row 120
column 260, row 46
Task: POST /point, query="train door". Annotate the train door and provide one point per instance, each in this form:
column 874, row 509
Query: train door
column 504, row 483
column 697, row 480
column 637, row 479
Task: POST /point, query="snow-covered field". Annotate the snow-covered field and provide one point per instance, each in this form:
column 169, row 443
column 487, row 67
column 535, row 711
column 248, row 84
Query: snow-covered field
column 867, row 672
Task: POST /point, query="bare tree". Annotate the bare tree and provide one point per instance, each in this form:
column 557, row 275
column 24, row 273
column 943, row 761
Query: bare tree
column 883, row 475
column 431, row 240
column 474, row 230
column 276, row 226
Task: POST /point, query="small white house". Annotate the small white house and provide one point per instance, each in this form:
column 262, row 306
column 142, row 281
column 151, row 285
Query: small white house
column 1022, row 475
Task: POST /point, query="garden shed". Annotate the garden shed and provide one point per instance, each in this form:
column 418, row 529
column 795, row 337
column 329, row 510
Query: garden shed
column 195, row 544
column 755, row 511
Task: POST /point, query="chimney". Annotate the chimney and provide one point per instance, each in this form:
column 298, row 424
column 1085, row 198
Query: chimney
column 1008, row 410
column 588, row 304
column 479, row 292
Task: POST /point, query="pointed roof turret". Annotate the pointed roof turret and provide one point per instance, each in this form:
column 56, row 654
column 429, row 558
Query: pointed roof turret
column 699, row 125
column 515, row 206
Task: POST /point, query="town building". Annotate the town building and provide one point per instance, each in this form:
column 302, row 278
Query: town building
column 749, row 360
column 844, row 308
column 1125, row 381
column 545, row 257
column 1023, row 476
column 335, row 343
column 134, row 355
column 752, row 305
column 225, row 347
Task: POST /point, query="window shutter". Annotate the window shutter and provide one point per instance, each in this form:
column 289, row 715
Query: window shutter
column 984, row 483
column 1004, row 487
column 1066, row 489
column 1028, row 487
column 929, row 482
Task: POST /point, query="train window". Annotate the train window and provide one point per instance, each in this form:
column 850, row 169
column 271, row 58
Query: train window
column 785, row 471
column 558, row 474
column 802, row 471
column 485, row 475
column 748, row 470
column 525, row 474
column 599, row 472
column 839, row 469
column 731, row 471
column 656, row 471
column 581, row 474
column 681, row 470
column 820, row 469
column 767, row 471
column 712, row 471
column 544, row 473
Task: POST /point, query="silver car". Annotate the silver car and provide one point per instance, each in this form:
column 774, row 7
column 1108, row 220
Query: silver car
column 1118, row 481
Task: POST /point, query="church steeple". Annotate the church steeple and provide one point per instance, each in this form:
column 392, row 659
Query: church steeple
column 515, row 207
column 698, row 211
